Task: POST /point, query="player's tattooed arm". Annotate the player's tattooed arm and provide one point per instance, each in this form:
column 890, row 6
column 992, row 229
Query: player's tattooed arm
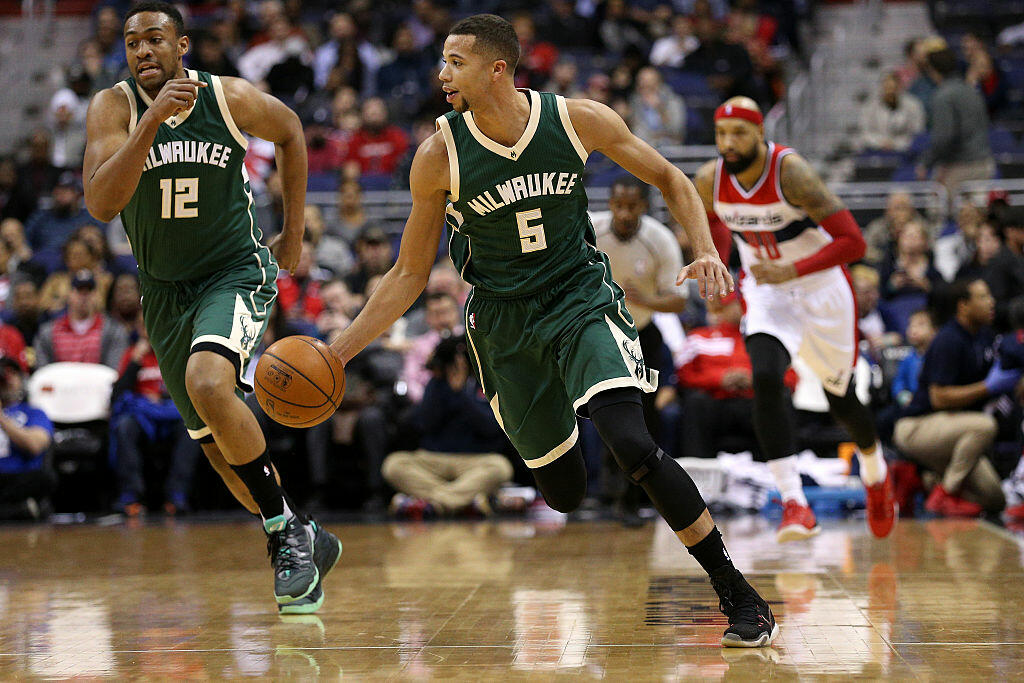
column 266, row 117
column 803, row 187
column 600, row 129
column 398, row 289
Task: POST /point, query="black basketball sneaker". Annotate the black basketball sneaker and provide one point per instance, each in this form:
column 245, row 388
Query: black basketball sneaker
column 326, row 552
column 751, row 622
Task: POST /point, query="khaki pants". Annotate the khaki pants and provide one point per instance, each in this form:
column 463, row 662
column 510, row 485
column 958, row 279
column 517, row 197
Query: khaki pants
column 448, row 481
column 953, row 445
column 951, row 175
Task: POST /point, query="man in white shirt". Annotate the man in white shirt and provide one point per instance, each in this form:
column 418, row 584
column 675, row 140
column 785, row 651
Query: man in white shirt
column 645, row 258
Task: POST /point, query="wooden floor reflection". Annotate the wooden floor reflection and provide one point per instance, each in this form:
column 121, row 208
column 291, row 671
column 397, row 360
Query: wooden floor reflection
column 509, row 600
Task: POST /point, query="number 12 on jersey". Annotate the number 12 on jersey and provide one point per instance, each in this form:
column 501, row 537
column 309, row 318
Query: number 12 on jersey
column 531, row 237
column 175, row 198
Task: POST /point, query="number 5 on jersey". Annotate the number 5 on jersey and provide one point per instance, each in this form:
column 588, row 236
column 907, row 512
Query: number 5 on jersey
column 531, row 237
column 185, row 192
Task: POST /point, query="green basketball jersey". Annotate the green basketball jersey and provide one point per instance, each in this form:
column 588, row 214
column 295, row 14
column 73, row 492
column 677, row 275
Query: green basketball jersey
column 192, row 212
column 517, row 215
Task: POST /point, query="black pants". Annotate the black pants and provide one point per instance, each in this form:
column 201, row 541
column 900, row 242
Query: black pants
column 130, row 440
column 20, row 486
column 711, row 425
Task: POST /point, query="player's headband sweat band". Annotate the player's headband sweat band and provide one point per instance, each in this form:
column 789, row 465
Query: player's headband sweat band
column 732, row 111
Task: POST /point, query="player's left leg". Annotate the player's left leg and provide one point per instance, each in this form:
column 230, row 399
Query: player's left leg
column 618, row 416
column 830, row 349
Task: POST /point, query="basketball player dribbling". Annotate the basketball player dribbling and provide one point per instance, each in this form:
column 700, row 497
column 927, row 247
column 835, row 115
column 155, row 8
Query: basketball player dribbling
column 165, row 151
column 794, row 238
column 549, row 335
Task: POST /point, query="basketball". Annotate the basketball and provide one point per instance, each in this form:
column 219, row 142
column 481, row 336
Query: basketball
column 299, row 381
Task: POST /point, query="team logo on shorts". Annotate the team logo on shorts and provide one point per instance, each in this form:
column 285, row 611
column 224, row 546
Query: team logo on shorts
column 637, row 356
column 248, row 329
column 472, row 321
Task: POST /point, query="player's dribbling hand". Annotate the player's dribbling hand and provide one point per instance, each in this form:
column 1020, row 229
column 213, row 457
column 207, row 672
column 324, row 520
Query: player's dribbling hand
column 177, row 95
column 286, row 251
column 712, row 275
column 772, row 273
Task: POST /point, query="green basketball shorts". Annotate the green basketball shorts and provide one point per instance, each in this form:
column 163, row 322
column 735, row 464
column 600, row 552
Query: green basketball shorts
column 541, row 358
column 225, row 313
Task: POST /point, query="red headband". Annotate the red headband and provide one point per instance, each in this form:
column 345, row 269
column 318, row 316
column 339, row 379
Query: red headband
column 733, row 111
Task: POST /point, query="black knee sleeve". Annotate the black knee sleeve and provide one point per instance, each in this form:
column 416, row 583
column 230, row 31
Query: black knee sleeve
column 563, row 481
column 619, row 419
column 773, row 417
column 854, row 416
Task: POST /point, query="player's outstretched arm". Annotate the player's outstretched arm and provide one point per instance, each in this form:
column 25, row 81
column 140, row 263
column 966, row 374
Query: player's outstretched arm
column 266, row 117
column 400, row 286
column 113, row 158
column 600, row 129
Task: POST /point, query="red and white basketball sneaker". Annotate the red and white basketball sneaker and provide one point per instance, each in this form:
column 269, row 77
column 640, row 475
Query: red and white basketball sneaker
column 881, row 507
column 797, row 523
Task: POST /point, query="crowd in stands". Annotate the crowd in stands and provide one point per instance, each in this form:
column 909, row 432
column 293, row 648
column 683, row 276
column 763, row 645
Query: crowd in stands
column 413, row 431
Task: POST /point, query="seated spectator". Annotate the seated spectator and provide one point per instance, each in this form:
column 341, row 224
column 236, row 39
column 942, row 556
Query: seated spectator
column 999, row 268
column 659, row 115
column 143, row 416
column 404, row 80
column 374, row 256
column 48, row 229
column 946, row 430
column 210, row 54
column 378, row 145
column 563, row 78
column 84, row 334
column 38, row 176
column 352, row 218
column 22, row 312
column 12, row 232
column 124, row 302
column 953, row 250
column 716, row 374
column 26, row 480
column 728, row 66
column 77, row 255
column 337, row 62
column 68, row 133
column 537, row 57
column 329, row 252
column 113, row 263
column 983, row 73
column 15, row 201
column 281, row 43
column 443, row 318
column 298, row 293
column 890, row 121
column 673, row 49
column 617, row 30
column 340, row 307
column 907, row 282
column 920, row 333
column 881, row 234
column 456, row 467
column 872, row 320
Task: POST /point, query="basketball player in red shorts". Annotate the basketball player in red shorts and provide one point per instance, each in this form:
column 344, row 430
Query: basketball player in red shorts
column 794, row 238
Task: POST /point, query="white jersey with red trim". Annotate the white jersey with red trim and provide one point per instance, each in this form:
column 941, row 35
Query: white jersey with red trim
column 766, row 226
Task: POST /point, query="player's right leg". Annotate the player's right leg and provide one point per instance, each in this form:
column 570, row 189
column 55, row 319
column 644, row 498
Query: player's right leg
column 773, row 424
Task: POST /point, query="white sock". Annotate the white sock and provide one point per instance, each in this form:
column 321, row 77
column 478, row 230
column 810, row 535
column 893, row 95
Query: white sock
column 787, row 478
column 872, row 467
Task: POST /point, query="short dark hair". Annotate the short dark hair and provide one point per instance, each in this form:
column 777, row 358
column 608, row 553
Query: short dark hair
column 943, row 61
column 629, row 182
column 496, row 35
column 162, row 8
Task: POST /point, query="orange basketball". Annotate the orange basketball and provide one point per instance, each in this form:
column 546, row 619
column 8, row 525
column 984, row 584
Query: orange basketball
column 299, row 381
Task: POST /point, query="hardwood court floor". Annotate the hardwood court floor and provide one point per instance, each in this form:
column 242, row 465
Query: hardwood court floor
column 940, row 600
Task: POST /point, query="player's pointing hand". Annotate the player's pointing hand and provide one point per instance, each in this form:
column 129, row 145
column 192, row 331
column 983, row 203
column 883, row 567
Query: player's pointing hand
column 710, row 272
column 177, row 95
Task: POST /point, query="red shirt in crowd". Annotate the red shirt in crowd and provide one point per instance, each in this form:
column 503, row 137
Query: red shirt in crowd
column 149, row 382
column 84, row 345
column 12, row 345
column 378, row 152
column 710, row 353
column 297, row 299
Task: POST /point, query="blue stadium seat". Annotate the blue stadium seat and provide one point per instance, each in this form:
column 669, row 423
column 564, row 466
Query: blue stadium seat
column 375, row 181
column 686, row 83
column 323, row 181
column 1001, row 140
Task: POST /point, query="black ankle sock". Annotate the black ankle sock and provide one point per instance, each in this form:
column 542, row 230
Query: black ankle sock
column 710, row 552
column 258, row 477
column 294, row 508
